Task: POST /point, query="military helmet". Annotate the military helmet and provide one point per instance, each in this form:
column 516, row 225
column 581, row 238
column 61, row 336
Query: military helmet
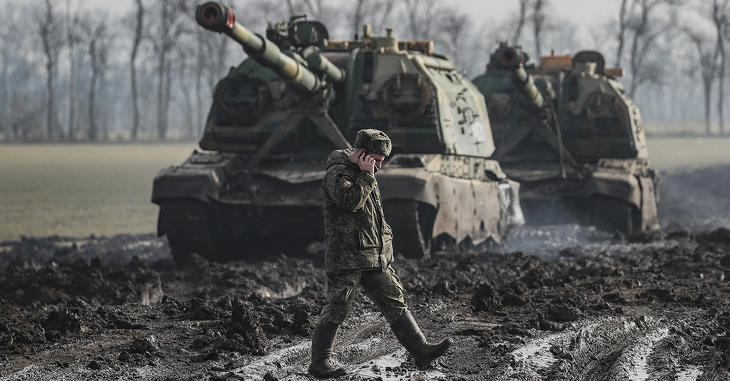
column 373, row 140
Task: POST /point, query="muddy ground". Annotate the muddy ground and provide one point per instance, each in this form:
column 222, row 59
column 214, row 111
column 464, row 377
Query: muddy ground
column 562, row 303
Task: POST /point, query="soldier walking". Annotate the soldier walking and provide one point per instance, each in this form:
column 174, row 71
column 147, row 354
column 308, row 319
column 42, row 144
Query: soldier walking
column 359, row 252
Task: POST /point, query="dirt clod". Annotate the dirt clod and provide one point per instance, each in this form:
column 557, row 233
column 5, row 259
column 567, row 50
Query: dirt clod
column 144, row 345
column 486, row 298
column 245, row 330
column 61, row 322
column 563, row 314
column 200, row 309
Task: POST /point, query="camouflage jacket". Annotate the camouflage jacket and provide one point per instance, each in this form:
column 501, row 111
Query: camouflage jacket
column 356, row 234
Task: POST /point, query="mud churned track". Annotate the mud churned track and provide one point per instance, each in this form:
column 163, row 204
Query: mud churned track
column 561, row 303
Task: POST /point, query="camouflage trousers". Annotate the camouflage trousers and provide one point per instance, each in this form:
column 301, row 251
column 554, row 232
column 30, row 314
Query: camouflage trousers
column 382, row 287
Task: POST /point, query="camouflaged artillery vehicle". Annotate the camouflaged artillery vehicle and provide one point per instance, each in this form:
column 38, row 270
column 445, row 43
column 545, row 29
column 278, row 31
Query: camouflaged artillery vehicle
column 567, row 131
column 255, row 184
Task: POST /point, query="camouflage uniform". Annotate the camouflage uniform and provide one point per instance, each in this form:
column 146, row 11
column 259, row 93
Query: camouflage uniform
column 358, row 252
column 358, row 242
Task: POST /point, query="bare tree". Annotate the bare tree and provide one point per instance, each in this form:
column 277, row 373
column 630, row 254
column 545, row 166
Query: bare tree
column 48, row 31
column 452, row 29
column 211, row 54
column 708, row 69
column 646, row 33
column 5, row 70
column 373, row 12
column 521, row 19
column 381, row 16
column 22, row 97
column 538, row 22
column 218, row 47
column 184, row 73
column 358, row 16
column 625, row 11
column 560, row 35
column 136, row 41
column 98, row 51
column 720, row 21
column 292, row 8
column 163, row 44
column 419, row 17
column 170, row 24
column 72, row 38
column 200, row 65
column 318, row 10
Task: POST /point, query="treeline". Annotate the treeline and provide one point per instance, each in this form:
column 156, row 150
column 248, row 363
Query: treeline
column 74, row 73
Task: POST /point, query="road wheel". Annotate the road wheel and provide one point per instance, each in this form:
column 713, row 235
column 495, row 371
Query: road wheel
column 187, row 225
column 412, row 224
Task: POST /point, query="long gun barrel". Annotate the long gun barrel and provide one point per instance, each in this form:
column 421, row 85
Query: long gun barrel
column 221, row 18
column 513, row 59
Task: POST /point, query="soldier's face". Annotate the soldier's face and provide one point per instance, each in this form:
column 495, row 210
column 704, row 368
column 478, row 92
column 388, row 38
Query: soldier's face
column 378, row 159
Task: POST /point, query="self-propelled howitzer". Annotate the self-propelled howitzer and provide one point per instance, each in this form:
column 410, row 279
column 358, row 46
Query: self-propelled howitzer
column 255, row 187
column 567, row 131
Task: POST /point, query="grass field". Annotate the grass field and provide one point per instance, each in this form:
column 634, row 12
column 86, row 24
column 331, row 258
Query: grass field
column 105, row 189
column 82, row 189
column 676, row 153
column 680, row 128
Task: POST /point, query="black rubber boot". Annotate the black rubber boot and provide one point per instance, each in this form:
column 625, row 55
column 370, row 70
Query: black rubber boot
column 410, row 336
column 323, row 341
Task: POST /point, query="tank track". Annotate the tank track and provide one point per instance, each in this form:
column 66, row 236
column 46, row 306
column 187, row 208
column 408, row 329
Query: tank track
column 605, row 213
column 189, row 227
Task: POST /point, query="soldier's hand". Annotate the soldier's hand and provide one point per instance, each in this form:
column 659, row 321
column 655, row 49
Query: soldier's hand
column 364, row 161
